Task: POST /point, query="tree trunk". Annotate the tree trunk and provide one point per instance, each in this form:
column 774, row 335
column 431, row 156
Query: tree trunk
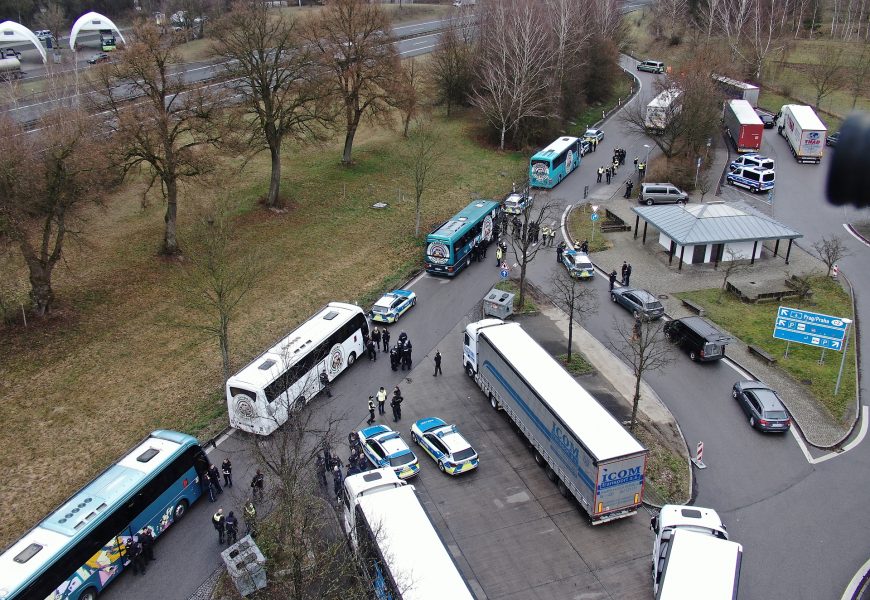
column 501, row 145
column 41, row 293
column 522, row 300
column 570, row 329
column 170, row 240
column 275, row 181
column 417, row 218
column 407, row 123
column 353, row 117
column 225, row 346
column 635, row 404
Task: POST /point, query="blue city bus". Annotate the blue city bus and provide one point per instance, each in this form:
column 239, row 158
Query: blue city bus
column 448, row 247
column 555, row 162
column 75, row 552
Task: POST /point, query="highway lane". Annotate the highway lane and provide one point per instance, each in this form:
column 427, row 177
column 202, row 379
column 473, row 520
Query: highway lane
column 784, row 511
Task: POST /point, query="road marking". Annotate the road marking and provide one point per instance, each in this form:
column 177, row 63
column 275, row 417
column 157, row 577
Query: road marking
column 417, row 278
column 854, row 235
column 853, row 586
column 417, row 24
column 418, row 49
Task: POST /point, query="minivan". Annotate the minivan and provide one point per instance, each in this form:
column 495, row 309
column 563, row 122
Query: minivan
column 652, row 66
column 698, row 337
column 752, row 160
column 662, row 193
column 754, row 179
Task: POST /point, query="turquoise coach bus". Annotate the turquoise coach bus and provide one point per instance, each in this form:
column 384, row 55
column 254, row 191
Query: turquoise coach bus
column 81, row 547
column 555, row 162
column 448, row 247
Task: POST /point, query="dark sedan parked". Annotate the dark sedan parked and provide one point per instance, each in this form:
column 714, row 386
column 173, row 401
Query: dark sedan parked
column 832, row 139
column 638, row 302
column 762, row 405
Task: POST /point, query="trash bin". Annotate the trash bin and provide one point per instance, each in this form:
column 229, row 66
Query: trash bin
column 246, row 566
column 498, row 303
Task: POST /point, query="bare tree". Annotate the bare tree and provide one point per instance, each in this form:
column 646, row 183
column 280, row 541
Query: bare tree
column 734, row 265
column 643, row 347
column 857, row 72
column 312, row 560
column 273, row 72
column 524, row 246
column 514, row 71
column 451, row 68
column 43, row 181
column 826, row 75
column 669, row 17
column 349, row 37
column 831, row 250
column 167, row 129
column 405, row 96
column 570, row 32
column 53, row 18
column 217, row 278
column 425, row 154
column 577, row 298
column 762, row 33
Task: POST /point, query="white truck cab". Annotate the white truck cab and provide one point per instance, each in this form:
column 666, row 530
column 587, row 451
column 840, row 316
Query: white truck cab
column 469, row 346
column 692, row 556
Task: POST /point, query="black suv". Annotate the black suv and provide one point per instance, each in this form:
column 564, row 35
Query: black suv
column 698, row 337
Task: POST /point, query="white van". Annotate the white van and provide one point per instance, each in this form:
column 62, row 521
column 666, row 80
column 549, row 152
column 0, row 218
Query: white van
column 754, row 179
column 752, row 160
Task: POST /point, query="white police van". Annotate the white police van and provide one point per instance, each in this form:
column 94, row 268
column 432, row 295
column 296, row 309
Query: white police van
column 752, row 160
column 754, row 179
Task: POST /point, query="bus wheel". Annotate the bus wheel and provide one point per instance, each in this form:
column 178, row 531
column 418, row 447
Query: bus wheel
column 469, row 370
column 89, row 594
column 351, row 359
column 563, row 489
column 180, row 510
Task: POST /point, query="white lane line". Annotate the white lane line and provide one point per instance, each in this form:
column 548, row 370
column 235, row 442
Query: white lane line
column 418, row 49
column 417, row 24
column 852, row 588
column 417, row 278
column 852, row 233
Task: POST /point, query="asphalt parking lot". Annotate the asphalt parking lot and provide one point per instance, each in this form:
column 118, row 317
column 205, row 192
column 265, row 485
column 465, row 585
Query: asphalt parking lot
column 510, row 531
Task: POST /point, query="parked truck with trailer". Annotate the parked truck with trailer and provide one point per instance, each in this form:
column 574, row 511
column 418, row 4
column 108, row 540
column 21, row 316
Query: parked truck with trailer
column 803, row 131
column 395, row 541
column 743, row 125
column 662, row 109
column 692, row 555
column 584, row 449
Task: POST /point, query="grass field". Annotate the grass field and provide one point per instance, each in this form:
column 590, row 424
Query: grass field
column 753, row 324
column 580, row 227
column 106, row 368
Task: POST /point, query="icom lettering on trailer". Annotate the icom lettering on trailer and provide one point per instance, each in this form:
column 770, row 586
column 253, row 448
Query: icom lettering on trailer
column 564, row 445
column 621, row 477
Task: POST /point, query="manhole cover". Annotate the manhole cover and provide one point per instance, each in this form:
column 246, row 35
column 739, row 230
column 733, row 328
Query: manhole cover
column 662, row 296
column 807, row 381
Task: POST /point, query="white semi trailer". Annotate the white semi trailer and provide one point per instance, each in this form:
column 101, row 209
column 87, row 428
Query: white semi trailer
column 803, row 131
column 585, row 450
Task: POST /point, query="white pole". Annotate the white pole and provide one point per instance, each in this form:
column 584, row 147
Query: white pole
column 843, row 360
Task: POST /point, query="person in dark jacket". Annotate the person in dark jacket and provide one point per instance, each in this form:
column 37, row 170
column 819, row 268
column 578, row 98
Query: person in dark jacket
column 385, row 338
column 232, row 526
column 395, row 356
column 612, row 279
column 396, row 405
column 136, row 556
column 437, row 364
column 560, row 248
column 147, row 541
column 227, row 470
column 406, row 355
column 627, row 276
column 214, row 477
column 376, row 338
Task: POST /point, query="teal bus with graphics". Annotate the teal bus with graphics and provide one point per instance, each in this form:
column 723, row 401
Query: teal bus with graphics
column 555, row 162
column 77, row 550
column 449, row 246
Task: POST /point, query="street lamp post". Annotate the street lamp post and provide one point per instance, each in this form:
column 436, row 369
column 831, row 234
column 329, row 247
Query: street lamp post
column 646, row 160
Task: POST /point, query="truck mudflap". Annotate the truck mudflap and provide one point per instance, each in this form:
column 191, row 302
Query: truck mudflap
column 614, row 516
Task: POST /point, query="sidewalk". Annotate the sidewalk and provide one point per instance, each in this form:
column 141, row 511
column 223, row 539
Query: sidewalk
column 650, row 270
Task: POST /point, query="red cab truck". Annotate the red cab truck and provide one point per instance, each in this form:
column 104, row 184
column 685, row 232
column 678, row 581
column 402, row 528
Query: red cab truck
column 744, row 126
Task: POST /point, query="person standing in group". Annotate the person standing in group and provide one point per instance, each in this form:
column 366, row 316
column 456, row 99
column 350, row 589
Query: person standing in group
column 600, row 173
column 629, row 186
column 207, row 487
column 385, row 338
column 560, row 248
column 624, row 269
column 232, row 526
column 382, row 400
column 336, row 481
column 545, row 231
column 483, row 250
column 615, row 165
column 437, row 363
column 214, row 478
column 371, row 410
column 498, row 256
column 250, row 516
column 320, row 467
column 627, row 276
column 219, row 523
column 396, row 405
column 227, row 470
column 324, row 383
column 612, row 279
column 607, row 173
column 552, row 235
column 584, row 247
column 635, row 163
column 147, row 541
column 373, row 353
column 135, row 554
column 394, row 358
column 641, row 169
column 257, row 485
column 376, row 338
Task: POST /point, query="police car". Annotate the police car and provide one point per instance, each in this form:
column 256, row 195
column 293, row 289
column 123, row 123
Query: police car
column 384, row 447
column 594, row 134
column 516, row 203
column 752, row 160
column 578, row 264
column 392, row 305
column 754, row 179
column 445, row 445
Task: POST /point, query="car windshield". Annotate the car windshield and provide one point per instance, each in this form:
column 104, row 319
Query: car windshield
column 401, row 459
column 653, row 305
column 775, row 415
column 380, row 309
column 463, row 454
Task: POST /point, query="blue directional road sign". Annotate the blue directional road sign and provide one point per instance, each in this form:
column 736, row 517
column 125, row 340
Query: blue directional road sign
column 812, row 329
column 594, row 216
column 504, row 273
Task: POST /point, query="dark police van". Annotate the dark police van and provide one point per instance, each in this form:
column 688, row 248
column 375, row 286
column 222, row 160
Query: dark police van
column 698, row 337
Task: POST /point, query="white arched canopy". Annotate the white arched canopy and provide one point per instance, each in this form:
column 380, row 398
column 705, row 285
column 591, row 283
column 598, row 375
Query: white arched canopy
column 10, row 32
column 92, row 22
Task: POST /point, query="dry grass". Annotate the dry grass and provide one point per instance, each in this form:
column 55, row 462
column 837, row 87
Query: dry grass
column 106, row 368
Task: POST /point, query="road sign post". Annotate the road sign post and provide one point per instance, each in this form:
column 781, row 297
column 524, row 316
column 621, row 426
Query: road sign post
column 593, row 217
column 698, row 461
column 843, row 359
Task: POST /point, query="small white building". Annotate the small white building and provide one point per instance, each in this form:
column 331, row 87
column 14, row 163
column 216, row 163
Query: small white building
column 713, row 233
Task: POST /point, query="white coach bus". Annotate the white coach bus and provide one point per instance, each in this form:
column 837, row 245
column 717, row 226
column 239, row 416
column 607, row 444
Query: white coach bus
column 260, row 396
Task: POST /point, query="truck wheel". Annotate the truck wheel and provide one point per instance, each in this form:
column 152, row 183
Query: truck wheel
column 563, row 489
column 492, row 401
column 540, row 459
column 469, row 370
column 551, row 474
column 693, row 356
